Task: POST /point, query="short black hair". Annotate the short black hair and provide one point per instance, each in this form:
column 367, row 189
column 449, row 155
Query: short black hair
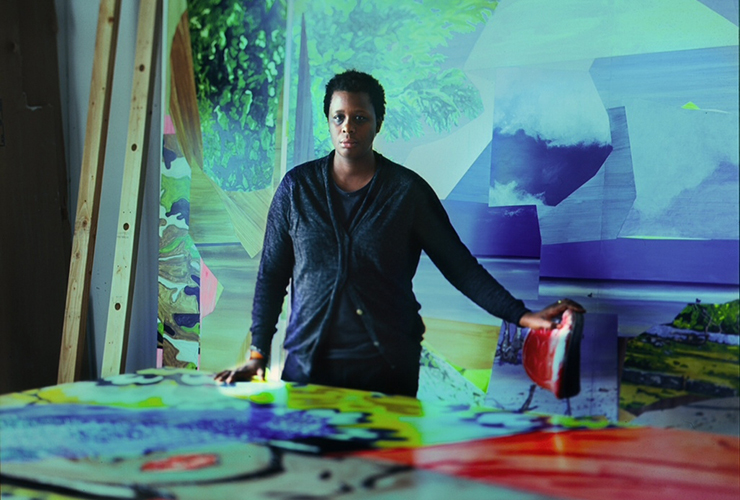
column 357, row 81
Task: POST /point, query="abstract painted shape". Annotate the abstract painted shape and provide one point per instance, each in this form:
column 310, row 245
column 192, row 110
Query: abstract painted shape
column 707, row 77
column 542, row 32
column 690, row 188
column 210, row 289
column 640, row 464
column 728, row 10
column 188, row 462
column 496, row 231
column 303, row 147
column 440, row 300
column 551, row 135
column 598, row 208
column 176, row 434
column 265, row 472
column 473, row 186
column 632, row 259
column 530, row 169
column 439, row 381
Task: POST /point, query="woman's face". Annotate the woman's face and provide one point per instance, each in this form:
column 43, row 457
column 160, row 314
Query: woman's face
column 352, row 124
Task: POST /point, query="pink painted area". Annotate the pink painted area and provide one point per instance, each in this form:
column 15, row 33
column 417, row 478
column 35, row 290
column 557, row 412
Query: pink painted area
column 160, row 357
column 208, row 290
column 169, row 127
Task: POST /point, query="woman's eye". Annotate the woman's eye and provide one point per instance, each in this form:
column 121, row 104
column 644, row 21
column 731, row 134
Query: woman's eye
column 360, row 119
column 338, row 119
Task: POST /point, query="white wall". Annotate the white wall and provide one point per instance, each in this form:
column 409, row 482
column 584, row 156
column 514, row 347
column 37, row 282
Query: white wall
column 77, row 21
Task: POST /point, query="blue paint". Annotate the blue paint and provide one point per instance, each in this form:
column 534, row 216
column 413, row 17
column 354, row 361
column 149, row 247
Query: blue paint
column 81, row 431
column 168, row 156
column 550, row 173
column 496, row 231
column 187, row 320
column 682, row 261
column 706, row 77
column 180, row 207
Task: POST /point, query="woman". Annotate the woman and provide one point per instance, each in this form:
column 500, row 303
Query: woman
column 347, row 231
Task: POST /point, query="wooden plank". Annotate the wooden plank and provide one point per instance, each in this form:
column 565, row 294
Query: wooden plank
column 124, row 264
column 88, row 203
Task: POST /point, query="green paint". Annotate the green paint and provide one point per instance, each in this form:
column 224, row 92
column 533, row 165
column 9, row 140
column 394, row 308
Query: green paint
column 173, row 189
column 238, row 54
column 710, row 318
column 399, row 43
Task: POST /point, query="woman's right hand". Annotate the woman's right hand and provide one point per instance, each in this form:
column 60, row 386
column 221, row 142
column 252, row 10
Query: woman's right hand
column 254, row 367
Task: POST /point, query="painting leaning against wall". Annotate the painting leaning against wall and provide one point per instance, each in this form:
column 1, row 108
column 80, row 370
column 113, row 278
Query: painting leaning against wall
column 554, row 161
column 220, row 154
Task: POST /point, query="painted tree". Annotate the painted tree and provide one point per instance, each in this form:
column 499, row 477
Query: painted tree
column 238, row 57
column 710, row 318
column 400, row 43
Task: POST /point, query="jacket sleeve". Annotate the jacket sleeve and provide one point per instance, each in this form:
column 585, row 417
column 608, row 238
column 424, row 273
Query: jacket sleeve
column 275, row 269
column 444, row 247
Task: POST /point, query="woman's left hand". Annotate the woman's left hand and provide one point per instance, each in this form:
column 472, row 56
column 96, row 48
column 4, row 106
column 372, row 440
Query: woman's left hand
column 546, row 317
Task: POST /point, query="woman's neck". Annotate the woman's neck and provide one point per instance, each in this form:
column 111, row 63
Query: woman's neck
column 351, row 176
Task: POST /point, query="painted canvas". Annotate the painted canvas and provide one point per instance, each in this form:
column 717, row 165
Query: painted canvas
column 174, row 433
column 581, row 152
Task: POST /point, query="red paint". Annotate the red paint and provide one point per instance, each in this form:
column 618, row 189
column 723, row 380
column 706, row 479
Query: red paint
column 611, row 464
column 181, row 463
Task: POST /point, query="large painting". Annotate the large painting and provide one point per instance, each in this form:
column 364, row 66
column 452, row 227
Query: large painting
column 175, row 434
column 582, row 149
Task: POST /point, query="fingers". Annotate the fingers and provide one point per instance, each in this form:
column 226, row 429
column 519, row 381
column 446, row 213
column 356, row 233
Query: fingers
column 252, row 369
column 564, row 304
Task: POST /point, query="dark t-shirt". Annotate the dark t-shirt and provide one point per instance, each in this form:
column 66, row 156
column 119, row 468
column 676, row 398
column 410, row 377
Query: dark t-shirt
column 347, row 337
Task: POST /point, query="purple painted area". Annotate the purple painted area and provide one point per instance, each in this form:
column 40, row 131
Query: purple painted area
column 80, row 431
column 187, row 320
column 496, row 231
column 551, row 173
column 168, row 156
column 683, row 261
column 180, row 208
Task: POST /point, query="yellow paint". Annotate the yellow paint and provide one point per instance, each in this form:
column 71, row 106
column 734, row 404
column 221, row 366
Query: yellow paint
column 465, row 345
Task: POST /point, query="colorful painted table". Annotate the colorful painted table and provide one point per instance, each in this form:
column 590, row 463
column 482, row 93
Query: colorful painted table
column 174, row 434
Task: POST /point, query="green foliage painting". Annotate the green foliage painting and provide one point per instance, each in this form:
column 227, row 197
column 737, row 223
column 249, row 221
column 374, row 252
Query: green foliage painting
column 710, row 318
column 238, row 56
column 401, row 44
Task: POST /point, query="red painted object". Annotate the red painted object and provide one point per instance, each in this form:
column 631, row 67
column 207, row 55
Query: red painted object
column 552, row 357
column 181, row 463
